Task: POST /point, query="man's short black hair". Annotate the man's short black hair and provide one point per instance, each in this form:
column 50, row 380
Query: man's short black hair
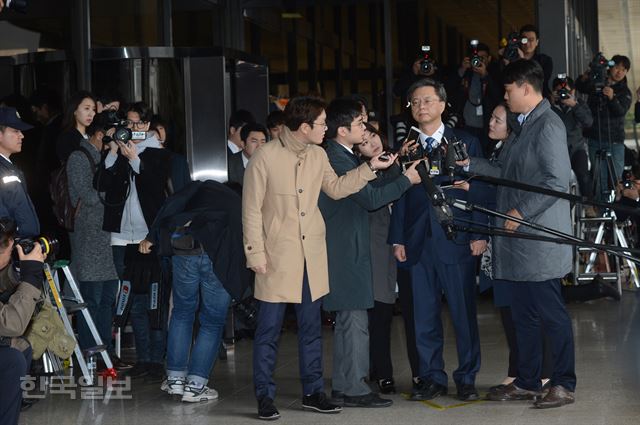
column 46, row 96
column 622, row 60
column 251, row 127
column 524, row 71
column 106, row 96
column 141, row 109
column 303, row 109
column 530, row 28
column 341, row 113
column 100, row 122
column 240, row 117
column 428, row 82
column 483, row 48
column 558, row 81
column 274, row 119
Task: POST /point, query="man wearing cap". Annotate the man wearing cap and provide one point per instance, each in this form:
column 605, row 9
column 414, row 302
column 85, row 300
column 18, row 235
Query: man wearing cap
column 14, row 200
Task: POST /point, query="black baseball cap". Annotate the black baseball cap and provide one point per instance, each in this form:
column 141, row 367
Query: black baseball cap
column 9, row 117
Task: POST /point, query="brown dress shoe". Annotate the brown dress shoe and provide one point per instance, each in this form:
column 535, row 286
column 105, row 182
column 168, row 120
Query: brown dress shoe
column 512, row 392
column 556, row 397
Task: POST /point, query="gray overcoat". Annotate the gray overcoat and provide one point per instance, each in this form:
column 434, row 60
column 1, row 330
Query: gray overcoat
column 537, row 156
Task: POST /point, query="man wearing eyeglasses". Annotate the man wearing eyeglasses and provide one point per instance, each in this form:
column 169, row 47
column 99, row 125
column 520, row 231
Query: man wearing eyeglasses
column 135, row 179
column 439, row 265
column 284, row 242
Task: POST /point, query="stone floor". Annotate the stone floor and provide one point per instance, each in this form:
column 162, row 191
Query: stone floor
column 607, row 337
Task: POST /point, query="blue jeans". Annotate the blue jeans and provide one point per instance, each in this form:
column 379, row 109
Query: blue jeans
column 100, row 298
column 195, row 285
column 617, row 155
column 150, row 343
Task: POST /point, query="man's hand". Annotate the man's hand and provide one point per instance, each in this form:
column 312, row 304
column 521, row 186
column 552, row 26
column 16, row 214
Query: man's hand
column 36, row 253
column 478, row 247
column 608, row 92
column 408, row 146
column 481, row 69
column 464, row 163
column 377, row 164
column 128, row 150
column 262, row 269
column 631, row 193
column 509, row 225
column 462, row 185
column 145, row 246
column 466, row 64
column 412, row 174
column 399, row 253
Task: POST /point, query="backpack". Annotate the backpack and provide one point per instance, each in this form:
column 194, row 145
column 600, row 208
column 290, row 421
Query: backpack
column 63, row 209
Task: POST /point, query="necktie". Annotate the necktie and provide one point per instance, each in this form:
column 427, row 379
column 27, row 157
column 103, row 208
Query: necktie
column 430, row 143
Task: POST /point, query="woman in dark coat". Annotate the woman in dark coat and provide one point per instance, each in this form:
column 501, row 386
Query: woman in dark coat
column 384, row 279
column 79, row 114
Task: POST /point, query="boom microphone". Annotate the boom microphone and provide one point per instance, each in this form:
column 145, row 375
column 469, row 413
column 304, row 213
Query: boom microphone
column 444, row 216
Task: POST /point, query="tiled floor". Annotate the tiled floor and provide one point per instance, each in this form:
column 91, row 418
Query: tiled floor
column 607, row 335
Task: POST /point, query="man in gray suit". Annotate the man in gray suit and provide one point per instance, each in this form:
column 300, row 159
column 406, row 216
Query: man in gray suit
column 537, row 156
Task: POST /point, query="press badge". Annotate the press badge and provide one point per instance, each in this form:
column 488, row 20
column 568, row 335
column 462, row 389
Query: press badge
column 479, row 110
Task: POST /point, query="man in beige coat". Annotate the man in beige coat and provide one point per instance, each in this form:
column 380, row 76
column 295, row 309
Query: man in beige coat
column 284, row 242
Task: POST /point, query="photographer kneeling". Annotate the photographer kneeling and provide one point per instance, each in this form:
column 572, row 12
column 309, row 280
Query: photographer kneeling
column 18, row 298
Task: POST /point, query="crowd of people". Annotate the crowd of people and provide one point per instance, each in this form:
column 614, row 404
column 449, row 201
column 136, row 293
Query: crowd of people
column 320, row 212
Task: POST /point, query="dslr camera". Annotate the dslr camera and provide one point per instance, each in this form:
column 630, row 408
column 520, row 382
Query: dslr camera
column 122, row 132
column 476, row 60
column 563, row 92
column 427, row 65
column 512, row 44
column 598, row 71
column 48, row 246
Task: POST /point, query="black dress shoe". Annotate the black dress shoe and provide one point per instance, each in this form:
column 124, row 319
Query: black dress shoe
column 266, row 410
column 428, row 390
column 467, row 392
column 556, row 397
column 367, row 400
column 387, row 386
column 512, row 392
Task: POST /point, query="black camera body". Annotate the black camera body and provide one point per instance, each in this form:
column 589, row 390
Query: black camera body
column 122, row 132
column 427, row 66
column 563, row 92
column 598, row 71
column 514, row 41
column 476, row 60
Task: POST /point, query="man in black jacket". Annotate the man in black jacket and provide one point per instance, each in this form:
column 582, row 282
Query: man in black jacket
column 609, row 107
column 575, row 115
column 201, row 228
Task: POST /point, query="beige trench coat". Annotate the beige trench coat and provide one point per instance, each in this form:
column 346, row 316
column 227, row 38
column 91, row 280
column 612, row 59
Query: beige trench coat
column 283, row 226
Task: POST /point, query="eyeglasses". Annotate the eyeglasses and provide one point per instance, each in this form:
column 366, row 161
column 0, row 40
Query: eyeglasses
column 416, row 103
column 137, row 124
column 321, row 124
column 358, row 124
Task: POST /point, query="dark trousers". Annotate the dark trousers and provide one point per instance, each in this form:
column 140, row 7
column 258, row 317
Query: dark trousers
column 267, row 336
column 380, row 317
column 430, row 279
column 580, row 166
column 405, row 296
column 512, row 341
column 15, row 365
column 538, row 305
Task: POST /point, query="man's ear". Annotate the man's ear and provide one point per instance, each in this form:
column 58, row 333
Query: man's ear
column 342, row 131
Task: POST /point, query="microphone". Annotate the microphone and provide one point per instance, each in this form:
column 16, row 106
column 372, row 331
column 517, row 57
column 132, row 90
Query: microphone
column 450, row 159
column 444, row 216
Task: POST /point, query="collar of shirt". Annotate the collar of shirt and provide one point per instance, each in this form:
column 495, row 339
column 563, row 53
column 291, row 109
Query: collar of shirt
column 7, row 158
column 245, row 160
column 437, row 135
column 233, row 146
column 523, row 117
column 350, row 150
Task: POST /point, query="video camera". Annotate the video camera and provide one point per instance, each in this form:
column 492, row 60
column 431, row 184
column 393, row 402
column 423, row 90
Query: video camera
column 598, row 71
column 122, row 132
column 563, row 92
column 476, row 60
column 427, row 65
column 511, row 46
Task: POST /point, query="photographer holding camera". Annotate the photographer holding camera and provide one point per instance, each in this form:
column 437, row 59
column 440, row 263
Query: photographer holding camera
column 609, row 100
column 575, row 115
column 423, row 66
column 18, row 297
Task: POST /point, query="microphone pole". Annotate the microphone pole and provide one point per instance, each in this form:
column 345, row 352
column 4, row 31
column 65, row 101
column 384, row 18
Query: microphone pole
column 444, row 216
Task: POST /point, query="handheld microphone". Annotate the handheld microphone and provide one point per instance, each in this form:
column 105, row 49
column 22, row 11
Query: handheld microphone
column 444, row 216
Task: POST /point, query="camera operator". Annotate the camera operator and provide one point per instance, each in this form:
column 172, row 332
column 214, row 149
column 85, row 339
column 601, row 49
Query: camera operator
column 609, row 107
column 575, row 115
column 416, row 72
column 14, row 198
column 135, row 179
column 477, row 89
column 18, row 297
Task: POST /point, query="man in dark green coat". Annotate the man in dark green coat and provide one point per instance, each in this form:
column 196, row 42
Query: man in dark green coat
column 348, row 248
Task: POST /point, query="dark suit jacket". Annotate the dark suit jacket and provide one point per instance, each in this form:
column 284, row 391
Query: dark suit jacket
column 235, row 168
column 14, row 200
column 414, row 224
column 347, row 234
